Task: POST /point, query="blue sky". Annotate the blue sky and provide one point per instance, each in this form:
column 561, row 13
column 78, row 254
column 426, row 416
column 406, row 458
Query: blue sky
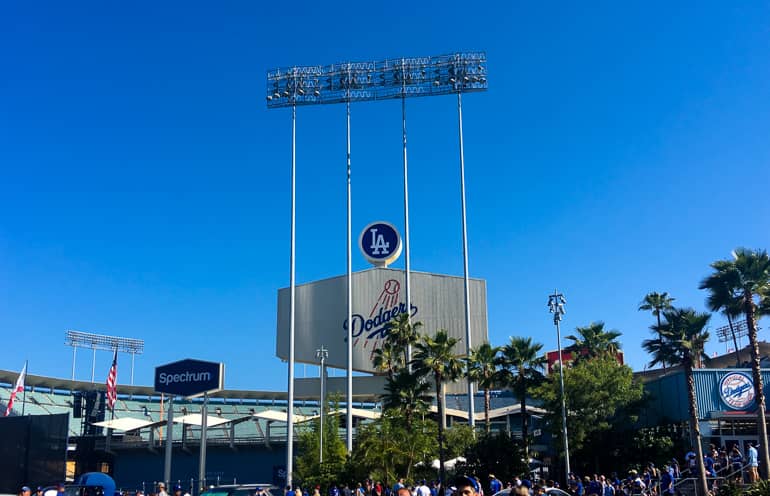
column 144, row 186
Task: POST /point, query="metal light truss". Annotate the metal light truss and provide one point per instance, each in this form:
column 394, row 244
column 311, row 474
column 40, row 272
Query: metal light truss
column 365, row 81
column 102, row 342
column 740, row 328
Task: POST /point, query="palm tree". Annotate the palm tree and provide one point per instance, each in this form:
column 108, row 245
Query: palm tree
column 407, row 393
column 482, row 369
column 657, row 302
column 434, row 356
column 593, row 341
column 385, row 359
column 749, row 275
column 682, row 340
column 722, row 286
column 402, row 333
column 521, row 368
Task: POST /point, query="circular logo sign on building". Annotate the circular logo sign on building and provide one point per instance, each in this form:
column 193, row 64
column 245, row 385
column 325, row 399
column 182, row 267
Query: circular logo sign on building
column 380, row 243
column 737, row 390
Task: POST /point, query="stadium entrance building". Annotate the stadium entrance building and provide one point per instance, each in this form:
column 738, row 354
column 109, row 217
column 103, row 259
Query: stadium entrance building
column 726, row 404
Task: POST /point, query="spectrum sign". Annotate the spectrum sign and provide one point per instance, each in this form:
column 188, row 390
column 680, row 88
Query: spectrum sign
column 189, row 377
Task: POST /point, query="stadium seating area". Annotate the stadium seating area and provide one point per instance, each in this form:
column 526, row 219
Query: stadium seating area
column 243, row 426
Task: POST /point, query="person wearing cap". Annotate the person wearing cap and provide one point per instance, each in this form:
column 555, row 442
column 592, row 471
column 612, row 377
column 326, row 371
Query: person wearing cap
column 465, row 486
column 25, row 491
column 494, row 484
column 162, row 489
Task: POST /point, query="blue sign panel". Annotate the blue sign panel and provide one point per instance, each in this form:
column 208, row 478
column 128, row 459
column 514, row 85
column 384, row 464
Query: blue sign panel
column 380, row 243
column 189, row 377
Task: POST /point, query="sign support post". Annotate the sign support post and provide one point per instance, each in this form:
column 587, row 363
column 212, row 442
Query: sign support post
column 189, row 378
column 204, row 426
column 169, row 441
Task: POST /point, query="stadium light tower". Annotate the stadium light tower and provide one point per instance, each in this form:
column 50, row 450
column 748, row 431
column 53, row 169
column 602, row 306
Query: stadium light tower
column 556, row 303
column 78, row 339
column 359, row 82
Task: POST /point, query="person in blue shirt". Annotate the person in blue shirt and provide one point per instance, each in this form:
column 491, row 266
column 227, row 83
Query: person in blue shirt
column 666, row 481
column 709, row 463
column 494, row 484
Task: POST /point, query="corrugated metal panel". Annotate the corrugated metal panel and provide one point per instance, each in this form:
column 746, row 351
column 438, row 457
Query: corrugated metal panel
column 438, row 301
column 668, row 396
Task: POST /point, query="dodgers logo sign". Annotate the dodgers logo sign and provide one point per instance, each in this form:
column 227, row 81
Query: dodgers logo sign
column 380, row 243
column 737, row 390
column 373, row 327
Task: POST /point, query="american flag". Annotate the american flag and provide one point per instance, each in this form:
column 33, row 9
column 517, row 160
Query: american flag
column 112, row 383
column 17, row 389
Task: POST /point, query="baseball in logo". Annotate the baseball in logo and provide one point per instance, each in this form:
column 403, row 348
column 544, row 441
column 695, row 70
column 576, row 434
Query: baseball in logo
column 737, row 390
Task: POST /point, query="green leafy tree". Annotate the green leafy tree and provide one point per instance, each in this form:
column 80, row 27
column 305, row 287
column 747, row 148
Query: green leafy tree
column 522, row 364
column 599, row 394
column 387, row 448
column 434, row 357
column 407, row 393
column 459, row 438
column 308, row 468
column 683, row 341
column 386, row 358
column 723, row 296
column 748, row 275
column 656, row 302
column 592, row 341
column 401, row 334
column 497, row 454
column 482, row 369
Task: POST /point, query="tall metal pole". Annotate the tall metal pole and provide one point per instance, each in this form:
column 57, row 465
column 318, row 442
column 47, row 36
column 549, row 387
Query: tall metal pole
column 93, row 365
column 204, row 428
column 169, row 441
column 407, row 261
column 556, row 303
column 74, row 355
column 349, row 399
column 292, row 290
column 133, row 355
column 466, row 281
column 321, row 354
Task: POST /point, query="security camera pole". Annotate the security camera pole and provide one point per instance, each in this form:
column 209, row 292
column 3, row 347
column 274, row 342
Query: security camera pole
column 556, row 303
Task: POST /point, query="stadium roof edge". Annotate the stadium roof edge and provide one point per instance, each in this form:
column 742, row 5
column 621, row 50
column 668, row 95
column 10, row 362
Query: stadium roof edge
column 58, row 384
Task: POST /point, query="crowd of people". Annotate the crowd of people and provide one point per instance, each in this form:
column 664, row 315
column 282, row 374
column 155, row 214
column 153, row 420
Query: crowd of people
column 720, row 463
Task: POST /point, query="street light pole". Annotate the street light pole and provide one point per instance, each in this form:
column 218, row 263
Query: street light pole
column 556, row 303
column 322, row 354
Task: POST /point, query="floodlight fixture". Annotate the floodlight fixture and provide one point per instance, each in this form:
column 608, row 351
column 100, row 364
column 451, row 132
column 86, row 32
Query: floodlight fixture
column 79, row 339
column 740, row 328
column 461, row 72
column 556, row 302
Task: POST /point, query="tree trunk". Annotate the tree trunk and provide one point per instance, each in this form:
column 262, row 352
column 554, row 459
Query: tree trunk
column 440, row 405
column 487, row 402
column 735, row 340
column 524, row 419
column 703, row 487
column 748, row 305
column 660, row 337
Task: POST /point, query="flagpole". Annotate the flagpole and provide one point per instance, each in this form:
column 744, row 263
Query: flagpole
column 24, row 393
